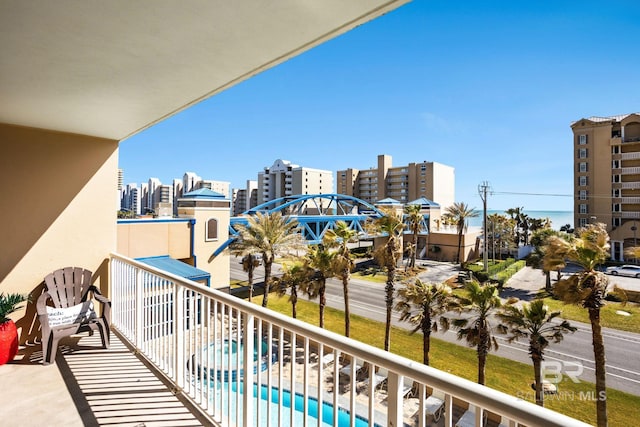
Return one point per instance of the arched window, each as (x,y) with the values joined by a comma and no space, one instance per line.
(212,230)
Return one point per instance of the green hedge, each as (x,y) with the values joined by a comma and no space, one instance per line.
(499,272)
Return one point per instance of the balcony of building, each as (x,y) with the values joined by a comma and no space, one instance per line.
(181,352)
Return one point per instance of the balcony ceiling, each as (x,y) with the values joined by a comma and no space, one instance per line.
(113,68)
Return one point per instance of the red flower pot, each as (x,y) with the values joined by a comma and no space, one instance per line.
(8,342)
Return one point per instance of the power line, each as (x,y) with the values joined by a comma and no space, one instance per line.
(533,194)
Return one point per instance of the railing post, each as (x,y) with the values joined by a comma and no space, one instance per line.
(178,333)
(394,399)
(138,307)
(247,380)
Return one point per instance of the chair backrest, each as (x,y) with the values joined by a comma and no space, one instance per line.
(68,286)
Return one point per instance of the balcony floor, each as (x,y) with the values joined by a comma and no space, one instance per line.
(88,386)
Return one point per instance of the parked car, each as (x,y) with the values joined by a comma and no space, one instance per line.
(624,270)
(257,257)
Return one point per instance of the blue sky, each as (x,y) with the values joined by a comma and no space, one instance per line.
(489,88)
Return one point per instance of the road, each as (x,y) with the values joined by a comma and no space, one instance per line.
(574,352)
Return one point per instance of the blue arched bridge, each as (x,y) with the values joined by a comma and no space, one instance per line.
(315,214)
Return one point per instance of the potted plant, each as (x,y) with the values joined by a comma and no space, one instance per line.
(8,331)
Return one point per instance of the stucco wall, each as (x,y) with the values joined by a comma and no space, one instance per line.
(144,238)
(59,205)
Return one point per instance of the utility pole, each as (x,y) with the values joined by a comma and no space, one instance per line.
(483,190)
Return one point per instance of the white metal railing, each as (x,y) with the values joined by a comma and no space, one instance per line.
(214,347)
(630,171)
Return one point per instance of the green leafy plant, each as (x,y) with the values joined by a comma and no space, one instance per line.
(9,304)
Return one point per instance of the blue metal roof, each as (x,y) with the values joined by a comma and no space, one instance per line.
(203,193)
(424,202)
(388,201)
(176,267)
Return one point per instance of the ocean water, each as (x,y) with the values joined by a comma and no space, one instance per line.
(558,218)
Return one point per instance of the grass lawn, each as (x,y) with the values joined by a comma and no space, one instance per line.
(502,374)
(608,316)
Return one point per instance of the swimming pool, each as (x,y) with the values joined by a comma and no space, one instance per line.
(265,401)
(224,355)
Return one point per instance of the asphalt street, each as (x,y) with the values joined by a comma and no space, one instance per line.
(573,355)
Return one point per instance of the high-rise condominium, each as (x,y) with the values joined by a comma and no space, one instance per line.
(606,157)
(285,179)
(431,180)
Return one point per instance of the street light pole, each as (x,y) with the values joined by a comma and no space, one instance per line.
(483,189)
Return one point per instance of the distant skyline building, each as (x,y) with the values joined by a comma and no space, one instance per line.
(162,199)
(284,179)
(434,181)
(606,158)
(245,198)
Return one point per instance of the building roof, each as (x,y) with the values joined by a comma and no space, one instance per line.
(597,119)
(203,193)
(173,266)
(388,201)
(111,69)
(424,202)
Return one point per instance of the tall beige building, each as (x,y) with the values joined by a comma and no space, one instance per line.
(286,179)
(606,161)
(431,180)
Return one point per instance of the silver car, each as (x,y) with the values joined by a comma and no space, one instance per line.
(624,270)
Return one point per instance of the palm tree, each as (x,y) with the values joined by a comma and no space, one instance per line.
(539,242)
(516,216)
(414,219)
(534,321)
(586,288)
(420,303)
(339,237)
(269,234)
(460,212)
(318,263)
(293,278)
(482,301)
(249,264)
(388,256)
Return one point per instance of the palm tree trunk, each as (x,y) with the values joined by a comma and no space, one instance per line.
(294,302)
(250,279)
(414,254)
(598,354)
(389,300)
(547,282)
(483,344)
(458,258)
(323,302)
(347,314)
(426,336)
(267,277)
(537,373)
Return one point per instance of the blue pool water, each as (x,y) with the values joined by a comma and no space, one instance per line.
(231,376)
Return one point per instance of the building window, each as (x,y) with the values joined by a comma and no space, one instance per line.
(582,153)
(583,222)
(582,181)
(582,166)
(583,194)
(616,207)
(583,208)
(211,232)
(617,222)
(615,149)
(615,164)
(615,192)
(582,139)
(615,178)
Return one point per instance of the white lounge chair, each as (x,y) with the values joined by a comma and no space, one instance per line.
(346,369)
(468,419)
(328,359)
(378,378)
(434,405)
(407,386)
